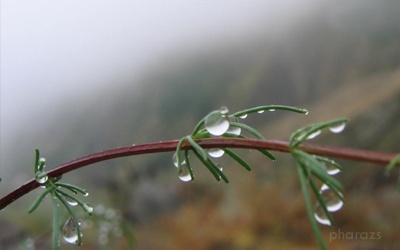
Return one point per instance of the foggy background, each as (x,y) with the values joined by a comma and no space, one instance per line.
(78,77)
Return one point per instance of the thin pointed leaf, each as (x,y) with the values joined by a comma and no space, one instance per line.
(309,208)
(39,200)
(188,164)
(302,134)
(197,148)
(56,225)
(329,161)
(37,156)
(248,129)
(72,188)
(80,203)
(269,107)
(268,154)
(220,173)
(318,170)
(210,168)
(178,151)
(393,163)
(237,158)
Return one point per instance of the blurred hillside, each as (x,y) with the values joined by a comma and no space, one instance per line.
(337,62)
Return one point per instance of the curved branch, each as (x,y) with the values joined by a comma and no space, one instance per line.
(165,146)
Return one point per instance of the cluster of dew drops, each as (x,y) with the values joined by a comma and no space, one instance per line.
(332,201)
(216,124)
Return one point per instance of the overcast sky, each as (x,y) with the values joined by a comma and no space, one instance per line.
(53,50)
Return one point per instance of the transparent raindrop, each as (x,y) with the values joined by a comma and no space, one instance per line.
(307,112)
(338,128)
(321,217)
(313,135)
(86,194)
(224,110)
(243,116)
(181,158)
(261,111)
(71,202)
(42,160)
(184,174)
(234,130)
(88,208)
(41,179)
(70,231)
(217,124)
(330,168)
(332,201)
(271,110)
(216,152)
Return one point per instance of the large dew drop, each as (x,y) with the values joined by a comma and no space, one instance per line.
(313,135)
(217,124)
(321,217)
(338,128)
(71,202)
(224,110)
(216,152)
(70,231)
(184,174)
(332,169)
(332,201)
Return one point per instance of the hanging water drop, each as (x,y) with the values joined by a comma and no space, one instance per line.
(234,130)
(338,128)
(40,178)
(88,208)
(216,152)
(216,123)
(321,217)
(260,111)
(313,135)
(243,116)
(271,110)
(181,158)
(184,174)
(86,194)
(71,202)
(224,110)
(331,169)
(70,231)
(332,201)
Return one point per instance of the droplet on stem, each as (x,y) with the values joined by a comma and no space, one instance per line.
(181,158)
(71,202)
(224,110)
(271,110)
(338,128)
(216,152)
(41,178)
(184,174)
(216,123)
(332,201)
(320,216)
(70,231)
(260,111)
(243,116)
(234,130)
(313,135)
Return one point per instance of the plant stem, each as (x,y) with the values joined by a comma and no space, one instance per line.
(380,158)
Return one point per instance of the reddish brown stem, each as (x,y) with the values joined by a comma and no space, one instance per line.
(274,145)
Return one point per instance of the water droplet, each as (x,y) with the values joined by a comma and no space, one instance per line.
(181,158)
(216,152)
(313,135)
(88,208)
(332,201)
(261,111)
(307,112)
(234,130)
(133,145)
(332,169)
(271,110)
(70,231)
(337,128)
(224,110)
(41,178)
(42,160)
(243,116)
(72,203)
(321,217)
(86,194)
(216,124)
(184,174)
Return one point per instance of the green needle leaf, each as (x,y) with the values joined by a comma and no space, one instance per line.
(56,224)
(310,211)
(393,163)
(237,158)
(197,148)
(188,164)
(270,108)
(248,129)
(210,168)
(39,200)
(268,154)
(72,188)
